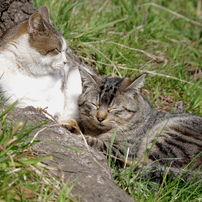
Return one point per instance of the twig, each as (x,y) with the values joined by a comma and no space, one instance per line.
(77,128)
(158,74)
(126,162)
(38,172)
(135,49)
(11,158)
(14,171)
(126,157)
(45,112)
(105,57)
(102,63)
(172,12)
(36,135)
(142,71)
(123,56)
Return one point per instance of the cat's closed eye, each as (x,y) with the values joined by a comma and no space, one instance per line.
(116,110)
(95,106)
(129,110)
(53,51)
(91,106)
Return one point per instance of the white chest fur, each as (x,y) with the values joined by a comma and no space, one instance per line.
(18,82)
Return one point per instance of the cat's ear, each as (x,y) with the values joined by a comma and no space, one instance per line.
(36,24)
(45,13)
(88,79)
(133,84)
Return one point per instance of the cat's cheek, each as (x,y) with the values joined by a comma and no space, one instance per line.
(46,65)
(58,63)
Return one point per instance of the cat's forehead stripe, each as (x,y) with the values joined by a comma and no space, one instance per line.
(108,89)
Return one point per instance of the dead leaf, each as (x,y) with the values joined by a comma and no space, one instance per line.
(193,68)
(28,193)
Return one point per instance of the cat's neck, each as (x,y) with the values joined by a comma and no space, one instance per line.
(146,116)
(144,110)
(151,115)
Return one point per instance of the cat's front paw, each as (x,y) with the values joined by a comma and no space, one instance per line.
(96,143)
(90,140)
(71,125)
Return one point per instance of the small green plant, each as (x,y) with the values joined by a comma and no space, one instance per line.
(144,189)
(22,176)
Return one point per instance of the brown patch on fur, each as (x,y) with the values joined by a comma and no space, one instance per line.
(22,30)
(46,43)
(42,36)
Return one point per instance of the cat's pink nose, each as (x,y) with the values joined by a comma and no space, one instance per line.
(65,63)
(100,119)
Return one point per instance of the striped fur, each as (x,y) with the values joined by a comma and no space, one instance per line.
(152,137)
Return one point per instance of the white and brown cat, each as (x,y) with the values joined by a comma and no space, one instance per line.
(34,69)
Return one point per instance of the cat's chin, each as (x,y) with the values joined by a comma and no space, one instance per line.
(103,126)
(95,125)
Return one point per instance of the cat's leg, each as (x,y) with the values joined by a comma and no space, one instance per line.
(104,144)
(112,151)
(96,143)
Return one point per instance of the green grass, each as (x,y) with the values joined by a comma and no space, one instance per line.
(22,177)
(126,38)
(118,38)
(146,190)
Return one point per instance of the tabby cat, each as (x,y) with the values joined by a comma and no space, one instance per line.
(34,68)
(115,105)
